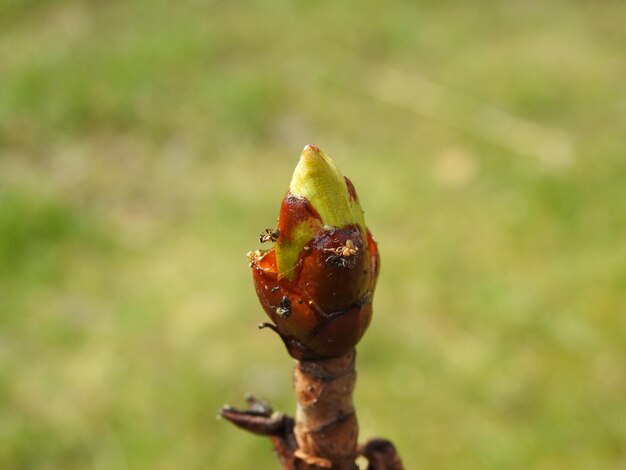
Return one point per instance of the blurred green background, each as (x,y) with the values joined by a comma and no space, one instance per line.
(145,145)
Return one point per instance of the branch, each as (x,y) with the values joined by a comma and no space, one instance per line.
(324,433)
(259,419)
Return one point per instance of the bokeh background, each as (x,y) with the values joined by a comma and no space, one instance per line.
(145,144)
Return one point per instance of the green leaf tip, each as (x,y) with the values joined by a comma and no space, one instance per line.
(317,179)
(332,198)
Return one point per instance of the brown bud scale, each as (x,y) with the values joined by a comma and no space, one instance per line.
(330,313)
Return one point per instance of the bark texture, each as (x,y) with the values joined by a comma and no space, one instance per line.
(326,427)
(325,431)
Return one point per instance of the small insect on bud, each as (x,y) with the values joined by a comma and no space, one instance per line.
(269,235)
(322,270)
(285,307)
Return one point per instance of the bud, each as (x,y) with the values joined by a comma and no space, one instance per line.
(317,282)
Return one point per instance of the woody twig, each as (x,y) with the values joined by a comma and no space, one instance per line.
(316,284)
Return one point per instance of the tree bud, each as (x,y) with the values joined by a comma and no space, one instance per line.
(316,284)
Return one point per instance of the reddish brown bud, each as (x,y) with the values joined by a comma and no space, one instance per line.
(317,283)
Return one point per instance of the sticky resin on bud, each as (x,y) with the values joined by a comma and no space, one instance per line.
(324,263)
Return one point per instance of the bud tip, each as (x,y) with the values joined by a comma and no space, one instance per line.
(311,150)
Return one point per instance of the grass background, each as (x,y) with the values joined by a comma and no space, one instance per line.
(144,145)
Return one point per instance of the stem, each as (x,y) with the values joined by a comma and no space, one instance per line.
(326,427)
(324,433)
